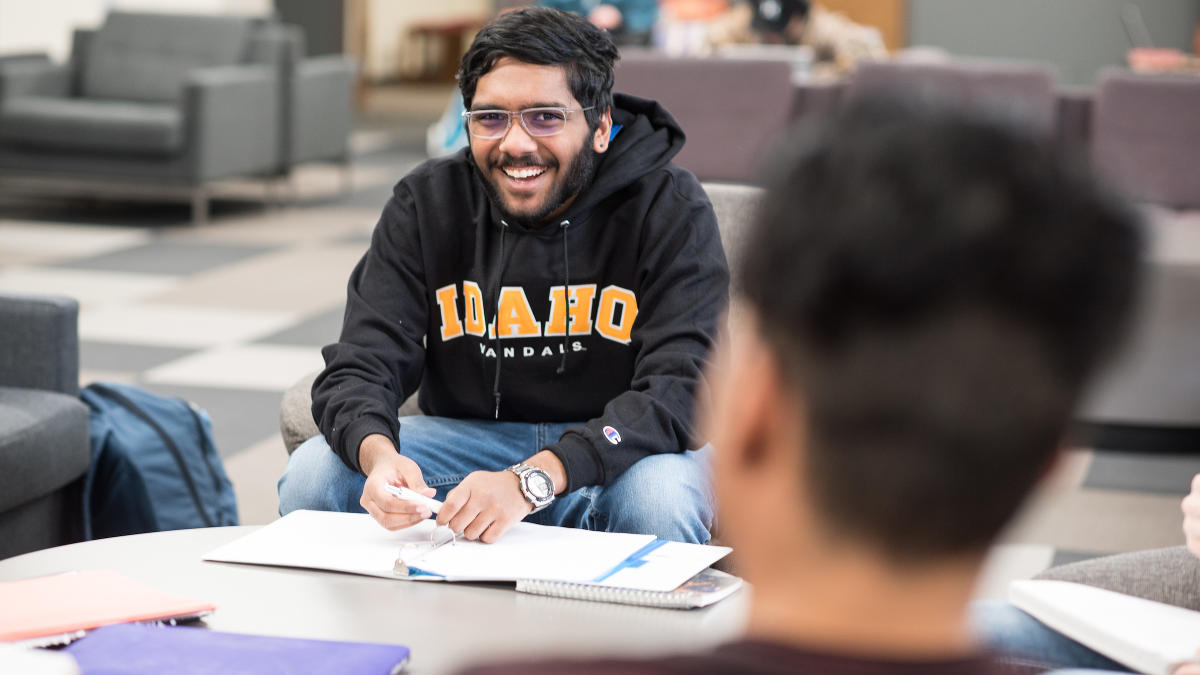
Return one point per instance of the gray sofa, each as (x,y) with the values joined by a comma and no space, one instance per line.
(732,110)
(735,206)
(163,105)
(1019,92)
(44,450)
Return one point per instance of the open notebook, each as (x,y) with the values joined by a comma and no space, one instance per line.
(1149,637)
(355,543)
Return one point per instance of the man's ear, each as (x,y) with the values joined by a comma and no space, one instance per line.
(759,403)
(603,131)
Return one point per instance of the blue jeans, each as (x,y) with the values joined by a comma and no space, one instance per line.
(665,495)
(1019,637)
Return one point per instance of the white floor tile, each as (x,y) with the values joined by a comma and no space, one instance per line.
(74,240)
(91,288)
(264,367)
(174,326)
(254,473)
(1008,562)
(87,377)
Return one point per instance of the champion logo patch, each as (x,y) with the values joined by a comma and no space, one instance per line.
(612,435)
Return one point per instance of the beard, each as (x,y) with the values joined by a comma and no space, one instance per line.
(577,176)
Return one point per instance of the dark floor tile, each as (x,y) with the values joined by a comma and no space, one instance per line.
(1142,472)
(362,239)
(83,210)
(116,356)
(316,331)
(241,417)
(374,197)
(1064,557)
(167,257)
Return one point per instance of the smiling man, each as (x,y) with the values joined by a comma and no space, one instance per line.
(553,290)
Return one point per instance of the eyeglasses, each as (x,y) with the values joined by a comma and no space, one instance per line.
(493,124)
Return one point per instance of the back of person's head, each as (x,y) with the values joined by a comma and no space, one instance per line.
(546,37)
(773,16)
(937,290)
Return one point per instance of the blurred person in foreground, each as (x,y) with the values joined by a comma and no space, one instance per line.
(923,300)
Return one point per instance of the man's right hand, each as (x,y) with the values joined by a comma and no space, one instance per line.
(384,466)
(1191,516)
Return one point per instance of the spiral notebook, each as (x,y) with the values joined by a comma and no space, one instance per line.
(702,590)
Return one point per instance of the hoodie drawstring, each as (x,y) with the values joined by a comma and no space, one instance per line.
(562,366)
(496,322)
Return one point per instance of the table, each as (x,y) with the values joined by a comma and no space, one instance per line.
(442,44)
(446,625)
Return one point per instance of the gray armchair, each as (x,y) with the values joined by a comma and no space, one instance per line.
(149,104)
(44,451)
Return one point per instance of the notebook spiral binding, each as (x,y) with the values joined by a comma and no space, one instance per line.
(704,589)
(624,596)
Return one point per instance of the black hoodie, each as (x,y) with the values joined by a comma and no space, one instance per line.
(640,252)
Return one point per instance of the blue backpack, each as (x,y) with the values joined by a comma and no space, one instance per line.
(154,465)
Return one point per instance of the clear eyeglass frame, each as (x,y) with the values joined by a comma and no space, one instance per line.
(473,119)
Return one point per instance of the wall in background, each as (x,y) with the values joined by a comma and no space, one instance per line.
(1079,37)
(46,26)
(388,52)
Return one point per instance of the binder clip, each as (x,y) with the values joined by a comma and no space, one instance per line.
(412,552)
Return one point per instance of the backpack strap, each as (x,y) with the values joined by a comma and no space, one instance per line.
(141,414)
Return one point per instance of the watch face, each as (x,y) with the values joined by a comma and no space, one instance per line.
(540,485)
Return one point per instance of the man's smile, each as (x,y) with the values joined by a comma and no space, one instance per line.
(524,173)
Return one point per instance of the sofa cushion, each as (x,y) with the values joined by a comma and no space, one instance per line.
(43,443)
(146,57)
(1144,136)
(88,125)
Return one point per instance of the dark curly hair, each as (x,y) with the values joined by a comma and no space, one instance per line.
(939,289)
(546,37)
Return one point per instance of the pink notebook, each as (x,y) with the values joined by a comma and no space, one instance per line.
(56,609)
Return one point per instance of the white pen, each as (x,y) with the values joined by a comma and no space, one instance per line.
(414,496)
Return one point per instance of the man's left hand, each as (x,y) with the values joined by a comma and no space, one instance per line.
(484,505)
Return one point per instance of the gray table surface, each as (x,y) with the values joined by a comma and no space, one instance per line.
(447,626)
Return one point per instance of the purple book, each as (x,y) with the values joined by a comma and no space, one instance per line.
(129,649)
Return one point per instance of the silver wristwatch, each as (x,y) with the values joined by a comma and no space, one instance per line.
(535,485)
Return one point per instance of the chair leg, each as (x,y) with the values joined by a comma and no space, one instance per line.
(199,206)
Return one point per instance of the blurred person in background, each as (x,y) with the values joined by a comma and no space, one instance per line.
(629,22)
(837,42)
(683,27)
(924,299)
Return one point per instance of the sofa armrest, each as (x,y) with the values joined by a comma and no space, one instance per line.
(33,77)
(231,114)
(296,423)
(39,345)
(322,109)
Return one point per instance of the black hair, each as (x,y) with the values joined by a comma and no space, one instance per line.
(938,289)
(546,37)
